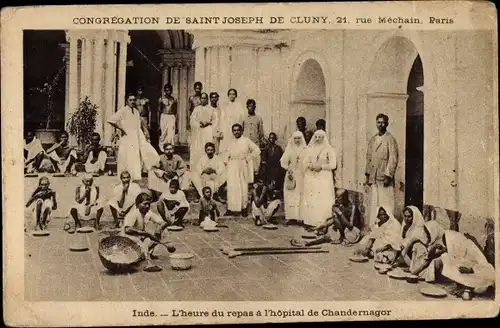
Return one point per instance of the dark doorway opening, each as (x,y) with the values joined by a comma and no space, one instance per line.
(414,168)
(143,69)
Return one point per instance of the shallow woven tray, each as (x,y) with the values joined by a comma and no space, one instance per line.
(119,254)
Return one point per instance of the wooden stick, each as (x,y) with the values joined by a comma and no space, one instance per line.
(235,253)
(226,250)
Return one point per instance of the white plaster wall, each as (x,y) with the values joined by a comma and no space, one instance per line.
(459,110)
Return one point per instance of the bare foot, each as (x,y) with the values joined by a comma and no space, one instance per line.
(296,243)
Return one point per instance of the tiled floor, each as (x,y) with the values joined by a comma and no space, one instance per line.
(54,273)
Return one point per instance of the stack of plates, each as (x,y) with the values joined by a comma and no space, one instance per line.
(358,258)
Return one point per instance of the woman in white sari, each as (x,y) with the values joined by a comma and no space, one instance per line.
(412,230)
(292,162)
(415,247)
(384,241)
(319,188)
(459,259)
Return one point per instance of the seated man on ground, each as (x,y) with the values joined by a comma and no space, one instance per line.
(63,155)
(123,198)
(134,226)
(208,208)
(44,200)
(34,153)
(384,241)
(96,156)
(345,224)
(209,172)
(264,203)
(173,205)
(88,204)
(452,255)
(170,167)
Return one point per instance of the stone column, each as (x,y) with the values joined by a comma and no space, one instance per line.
(86,84)
(124,40)
(72,75)
(183,103)
(98,80)
(109,85)
(200,64)
(181,64)
(65,46)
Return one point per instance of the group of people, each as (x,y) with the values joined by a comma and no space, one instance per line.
(231,155)
(429,251)
(62,157)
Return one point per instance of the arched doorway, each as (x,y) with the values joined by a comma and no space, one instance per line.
(309,98)
(394,89)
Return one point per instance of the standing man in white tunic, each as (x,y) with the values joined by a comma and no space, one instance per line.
(232,113)
(381,165)
(134,150)
(239,159)
(202,120)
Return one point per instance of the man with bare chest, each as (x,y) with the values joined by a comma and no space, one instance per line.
(195,100)
(167,111)
(143,105)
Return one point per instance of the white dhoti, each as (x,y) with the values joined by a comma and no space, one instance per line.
(380,195)
(263,212)
(167,126)
(133,152)
(80,208)
(214,181)
(158,183)
(239,175)
(46,205)
(99,165)
(200,136)
(63,163)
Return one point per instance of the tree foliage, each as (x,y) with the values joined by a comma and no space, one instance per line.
(82,122)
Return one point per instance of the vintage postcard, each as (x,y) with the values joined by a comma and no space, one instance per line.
(249,163)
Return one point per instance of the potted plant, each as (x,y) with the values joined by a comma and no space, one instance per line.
(46,132)
(82,123)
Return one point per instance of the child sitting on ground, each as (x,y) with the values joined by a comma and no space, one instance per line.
(45,201)
(264,203)
(88,204)
(173,205)
(208,207)
(134,226)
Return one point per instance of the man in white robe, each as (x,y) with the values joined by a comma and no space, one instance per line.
(209,172)
(239,159)
(232,113)
(202,119)
(134,150)
(381,165)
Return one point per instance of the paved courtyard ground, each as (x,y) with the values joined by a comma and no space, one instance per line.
(54,273)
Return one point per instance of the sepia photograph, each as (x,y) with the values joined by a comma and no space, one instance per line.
(201,140)
(259,164)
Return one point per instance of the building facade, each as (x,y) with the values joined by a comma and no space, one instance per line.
(439,97)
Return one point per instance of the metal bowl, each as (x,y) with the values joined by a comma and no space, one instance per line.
(181,261)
